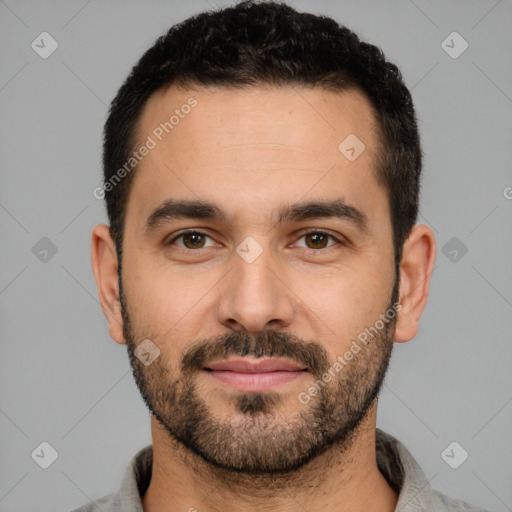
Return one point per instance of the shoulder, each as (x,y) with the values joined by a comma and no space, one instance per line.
(134,483)
(447,503)
(452,504)
(404,474)
(104,504)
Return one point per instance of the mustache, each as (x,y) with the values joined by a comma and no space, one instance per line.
(268,343)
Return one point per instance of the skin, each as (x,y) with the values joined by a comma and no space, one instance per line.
(251,152)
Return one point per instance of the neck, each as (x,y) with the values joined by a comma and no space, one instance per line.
(344,480)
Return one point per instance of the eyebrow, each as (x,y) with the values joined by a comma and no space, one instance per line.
(174,209)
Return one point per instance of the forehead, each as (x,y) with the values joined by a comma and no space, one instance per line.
(312,118)
(253,146)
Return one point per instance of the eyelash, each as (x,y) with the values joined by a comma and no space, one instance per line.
(304,233)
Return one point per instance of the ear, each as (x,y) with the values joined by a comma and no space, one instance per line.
(416,266)
(104,265)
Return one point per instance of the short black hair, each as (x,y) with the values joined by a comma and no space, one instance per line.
(270,43)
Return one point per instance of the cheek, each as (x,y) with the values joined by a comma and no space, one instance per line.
(347,304)
(163,302)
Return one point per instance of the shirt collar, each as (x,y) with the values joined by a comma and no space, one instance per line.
(404,474)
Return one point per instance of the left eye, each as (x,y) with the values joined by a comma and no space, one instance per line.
(317,239)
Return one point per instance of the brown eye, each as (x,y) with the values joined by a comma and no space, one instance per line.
(316,240)
(191,240)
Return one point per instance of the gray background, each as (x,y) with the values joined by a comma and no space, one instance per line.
(64,381)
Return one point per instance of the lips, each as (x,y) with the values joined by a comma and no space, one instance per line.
(254,374)
(250,365)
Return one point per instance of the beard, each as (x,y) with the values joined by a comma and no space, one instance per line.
(257,439)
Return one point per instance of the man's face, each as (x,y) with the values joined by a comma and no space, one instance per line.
(252,307)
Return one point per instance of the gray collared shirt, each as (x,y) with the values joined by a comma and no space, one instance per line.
(395,462)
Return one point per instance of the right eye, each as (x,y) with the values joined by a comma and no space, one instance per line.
(191,239)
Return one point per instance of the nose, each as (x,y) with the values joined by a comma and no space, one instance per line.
(254,296)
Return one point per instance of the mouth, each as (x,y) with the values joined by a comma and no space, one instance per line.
(255,374)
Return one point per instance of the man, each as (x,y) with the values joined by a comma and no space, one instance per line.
(262,173)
